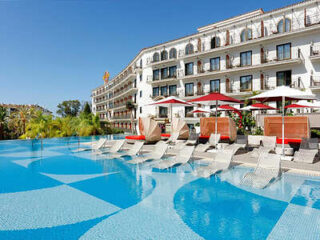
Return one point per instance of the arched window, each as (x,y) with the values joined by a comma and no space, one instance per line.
(155,57)
(173,53)
(215,42)
(164,55)
(284,25)
(189,49)
(246,34)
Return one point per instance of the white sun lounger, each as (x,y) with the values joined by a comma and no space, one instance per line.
(222,162)
(269,144)
(100,144)
(268,169)
(158,152)
(193,139)
(133,151)
(306,155)
(202,147)
(214,139)
(181,158)
(116,147)
(240,143)
(254,140)
(173,138)
(308,151)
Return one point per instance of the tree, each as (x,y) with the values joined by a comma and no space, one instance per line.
(87,109)
(40,126)
(89,125)
(69,108)
(18,121)
(3,121)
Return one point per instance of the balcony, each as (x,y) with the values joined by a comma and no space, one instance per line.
(152,81)
(297,28)
(315,82)
(137,68)
(161,63)
(130,89)
(122,117)
(234,67)
(315,53)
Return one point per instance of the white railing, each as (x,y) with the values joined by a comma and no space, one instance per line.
(314,50)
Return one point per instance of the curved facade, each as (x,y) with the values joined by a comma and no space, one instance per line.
(255,51)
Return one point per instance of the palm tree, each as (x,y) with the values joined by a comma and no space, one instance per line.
(89,125)
(131,107)
(39,126)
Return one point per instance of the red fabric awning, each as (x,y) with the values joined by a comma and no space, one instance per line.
(296,106)
(227,108)
(213,97)
(262,106)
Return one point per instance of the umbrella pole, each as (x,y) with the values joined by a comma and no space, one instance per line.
(216,125)
(171,113)
(283,103)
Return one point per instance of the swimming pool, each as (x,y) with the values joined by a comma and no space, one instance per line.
(53,193)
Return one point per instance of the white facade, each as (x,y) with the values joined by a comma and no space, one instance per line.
(282,47)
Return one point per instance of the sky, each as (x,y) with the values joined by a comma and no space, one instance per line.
(56,50)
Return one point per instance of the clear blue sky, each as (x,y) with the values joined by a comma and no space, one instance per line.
(52,51)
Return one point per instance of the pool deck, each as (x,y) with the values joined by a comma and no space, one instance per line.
(245,159)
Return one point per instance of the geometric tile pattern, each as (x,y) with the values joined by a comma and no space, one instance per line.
(308,194)
(297,222)
(54,193)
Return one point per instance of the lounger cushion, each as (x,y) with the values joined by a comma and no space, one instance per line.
(221,137)
(289,140)
(305,155)
(136,137)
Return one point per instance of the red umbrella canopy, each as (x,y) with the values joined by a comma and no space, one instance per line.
(296,106)
(262,106)
(227,108)
(258,106)
(200,111)
(171,101)
(214,98)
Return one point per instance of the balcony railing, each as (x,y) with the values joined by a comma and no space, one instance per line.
(315,50)
(150,60)
(297,24)
(127,116)
(151,78)
(314,81)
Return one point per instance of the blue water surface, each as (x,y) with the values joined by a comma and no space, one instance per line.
(138,201)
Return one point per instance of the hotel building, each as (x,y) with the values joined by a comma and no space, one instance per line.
(255,51)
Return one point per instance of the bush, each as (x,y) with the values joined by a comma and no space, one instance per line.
(258,131)
(315,133)
(116,131)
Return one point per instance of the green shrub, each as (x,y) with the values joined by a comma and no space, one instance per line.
(258,131)
(315,133)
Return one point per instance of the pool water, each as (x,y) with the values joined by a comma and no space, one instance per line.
(48,191)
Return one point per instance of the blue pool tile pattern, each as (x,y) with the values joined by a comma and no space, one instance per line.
(308,194)
(53,192)
(218,210)
(15,178)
